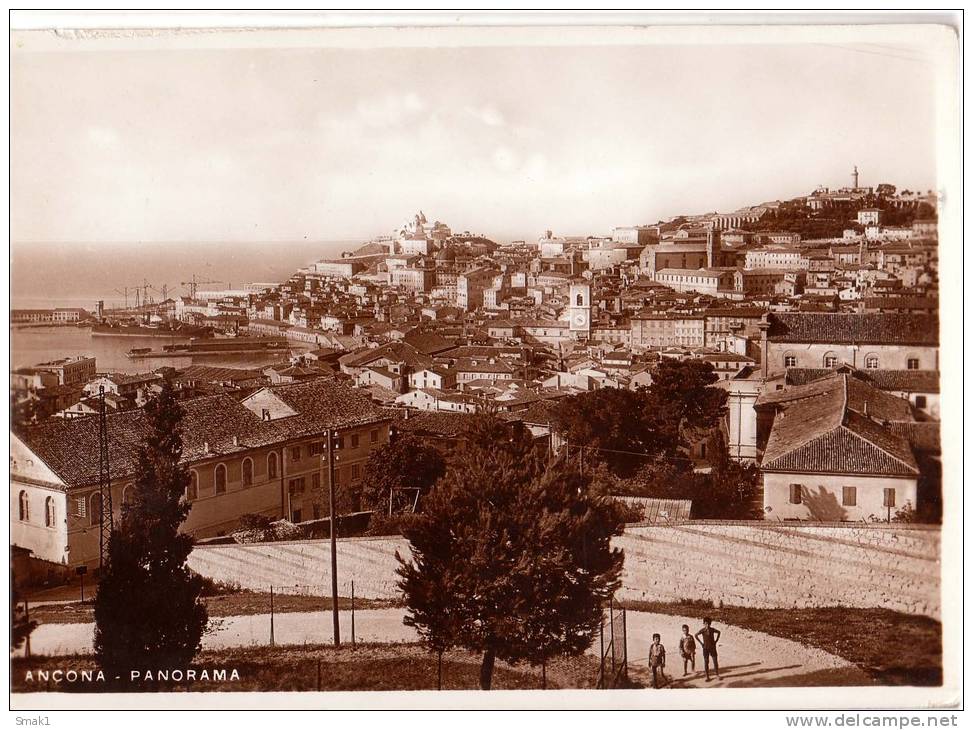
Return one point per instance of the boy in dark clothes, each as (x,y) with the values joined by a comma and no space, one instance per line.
(657,660)
(708,637)
(687,648)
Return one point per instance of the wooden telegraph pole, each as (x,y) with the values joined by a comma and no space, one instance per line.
(333,524)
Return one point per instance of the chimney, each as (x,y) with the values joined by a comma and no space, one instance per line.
(236,440)
(206,447)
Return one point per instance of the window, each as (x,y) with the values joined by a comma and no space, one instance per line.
(127,495)
(316,480)
(849,496)
(315,448)
(920,401)
(912,363)
(80,507)
(354,441)
(830,360)
(24,506)
(247,472)
(580,300)
(871,362)
(296,486)
(296,453)
(373,436)
(790,361)
(796,493)
(219,478)
(49,512)
(889,500)
(355,471)
(272,465)
(192,491)
(94,515)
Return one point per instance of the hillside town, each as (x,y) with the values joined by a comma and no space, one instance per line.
(818,315)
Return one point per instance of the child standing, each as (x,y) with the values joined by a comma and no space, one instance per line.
(657,660)
(687,647)
(708,637)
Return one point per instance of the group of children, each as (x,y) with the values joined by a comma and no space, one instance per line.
(708,638)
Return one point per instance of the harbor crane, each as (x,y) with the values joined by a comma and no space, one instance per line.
(124,291)
(194,283)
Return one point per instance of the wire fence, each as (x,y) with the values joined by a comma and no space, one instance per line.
(613,667)
(281,600)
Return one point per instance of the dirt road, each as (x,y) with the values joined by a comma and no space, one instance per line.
(747,658)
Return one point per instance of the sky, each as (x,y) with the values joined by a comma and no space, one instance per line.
(325,143)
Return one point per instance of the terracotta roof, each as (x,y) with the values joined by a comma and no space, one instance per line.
(906,381)
(395,351)
(70,446)
(438,423)
(831,328)
(428,343)
(820,433)
(923,436)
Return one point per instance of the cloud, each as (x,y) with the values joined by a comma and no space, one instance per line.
(103,137)
(390,110)
(488,115)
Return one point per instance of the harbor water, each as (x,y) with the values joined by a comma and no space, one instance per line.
(32,345)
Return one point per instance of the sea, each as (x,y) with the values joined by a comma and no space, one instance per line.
(79,274)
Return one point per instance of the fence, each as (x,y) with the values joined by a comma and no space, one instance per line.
(286,594)
(613,667)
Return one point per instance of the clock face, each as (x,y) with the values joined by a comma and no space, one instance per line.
(580,319)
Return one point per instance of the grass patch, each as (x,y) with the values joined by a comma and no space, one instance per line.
(379,667)
(891,647)
(241,603)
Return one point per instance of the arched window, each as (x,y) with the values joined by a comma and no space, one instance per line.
(192,491)
(49,512)
(94,514)
(247,472)
(272,465)
(24,507)
(830,360)
(580,300)
(871,362)
(220,479)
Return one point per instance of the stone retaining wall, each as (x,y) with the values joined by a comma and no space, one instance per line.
(759,564)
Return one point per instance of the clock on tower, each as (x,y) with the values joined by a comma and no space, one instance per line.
(579,311)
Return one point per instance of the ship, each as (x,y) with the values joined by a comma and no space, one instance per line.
(175,330)
(214,348)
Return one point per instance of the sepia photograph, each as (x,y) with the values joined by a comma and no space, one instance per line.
(468,364)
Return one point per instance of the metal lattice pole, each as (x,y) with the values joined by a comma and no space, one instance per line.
(106,518)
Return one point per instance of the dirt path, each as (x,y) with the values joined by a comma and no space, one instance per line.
(748,658)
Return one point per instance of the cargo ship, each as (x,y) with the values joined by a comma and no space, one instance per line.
(174,330)
(214,348)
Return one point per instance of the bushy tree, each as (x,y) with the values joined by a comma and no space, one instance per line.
(607,423)
(394,472)
(680,400)
(148,612)
(511,556)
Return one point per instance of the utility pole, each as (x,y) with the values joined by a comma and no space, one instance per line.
(105,519)
(332,446)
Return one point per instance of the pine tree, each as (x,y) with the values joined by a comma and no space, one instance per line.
(148,612)
(511,557)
